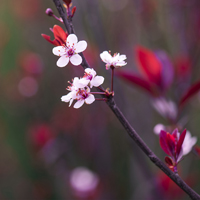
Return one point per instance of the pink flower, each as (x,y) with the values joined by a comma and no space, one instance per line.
(91,78)
(69,52)
(79,93)
(114,61)
(83,96)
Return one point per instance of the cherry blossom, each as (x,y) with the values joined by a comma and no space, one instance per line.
(114,61)
(78,92)
(73,91)
(83,96)
(91,78)
(69,52)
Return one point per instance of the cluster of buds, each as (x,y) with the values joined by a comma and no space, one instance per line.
(80,88)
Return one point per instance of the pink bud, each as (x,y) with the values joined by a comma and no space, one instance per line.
(49,12)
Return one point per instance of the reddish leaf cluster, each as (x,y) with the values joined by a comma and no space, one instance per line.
(172,146)
(156,69)
(60,36)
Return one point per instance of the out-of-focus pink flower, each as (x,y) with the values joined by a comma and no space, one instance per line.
(188,143)
(84,182)
(69,52)
(60,36)
(172,145)
(183,67)
(114,61)
(30,62)
(28,86)
(165,108)
(40,134)
(25,9)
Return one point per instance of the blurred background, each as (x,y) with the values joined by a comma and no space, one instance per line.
(51,151)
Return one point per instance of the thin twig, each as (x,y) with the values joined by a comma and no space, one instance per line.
(130,130)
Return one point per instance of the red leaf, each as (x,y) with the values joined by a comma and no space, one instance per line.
(73,10)
(60,34)
(180,142)
(149,64)
(47,37)
(170,140)
(163,142)
(142,83)
(190,93)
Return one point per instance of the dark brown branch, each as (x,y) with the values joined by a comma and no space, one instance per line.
(132,133)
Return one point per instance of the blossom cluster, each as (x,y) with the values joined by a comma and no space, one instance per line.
(80,88)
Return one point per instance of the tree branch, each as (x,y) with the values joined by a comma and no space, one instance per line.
(130,130)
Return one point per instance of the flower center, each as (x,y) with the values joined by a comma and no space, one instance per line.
(70,52)
(83,93)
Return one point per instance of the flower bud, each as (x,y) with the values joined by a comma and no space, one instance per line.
(49,12)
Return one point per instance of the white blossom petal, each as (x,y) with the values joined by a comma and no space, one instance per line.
(59,50)
(122,57)
(96,81)
(90,71)
(84,82)
(90,99)
(106,57)
(76,59)
(66,98)
(79,103)
(71,40)
(62,61)
(188,143)
(80,46)
(70,103)
(120,63)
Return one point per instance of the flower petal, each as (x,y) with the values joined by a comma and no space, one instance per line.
(67,97)
(122,57)
(97,81)
(106,57)
(80,46)
(83,82)
(71,40)
(76,59)
(120,63)
(90,99)
(70,103)
(79,103)
(62,61)
(90,71)
(59,50)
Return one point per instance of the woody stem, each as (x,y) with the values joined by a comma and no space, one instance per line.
(112,68)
